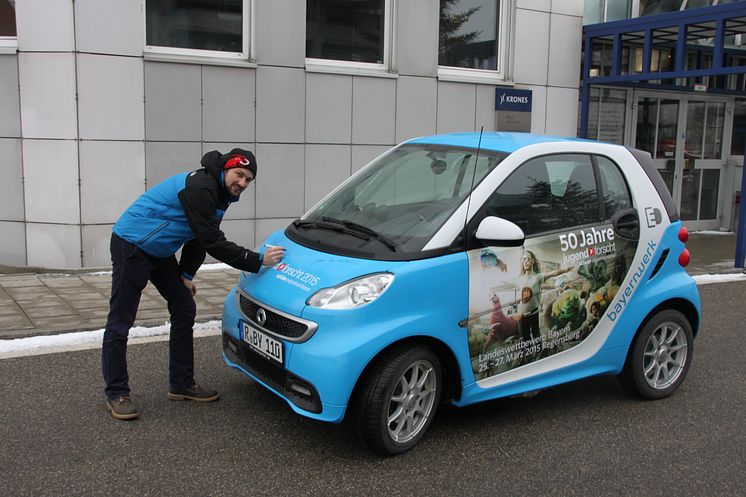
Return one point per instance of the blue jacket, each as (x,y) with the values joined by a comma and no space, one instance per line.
(186,210)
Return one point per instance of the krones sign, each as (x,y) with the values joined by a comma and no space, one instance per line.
(509,99)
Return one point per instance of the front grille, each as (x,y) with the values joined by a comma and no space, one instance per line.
(276,376)
(275,323)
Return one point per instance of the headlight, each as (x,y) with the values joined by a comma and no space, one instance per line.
(354,293)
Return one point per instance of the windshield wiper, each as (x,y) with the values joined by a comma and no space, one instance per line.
(329,226)
(361,229)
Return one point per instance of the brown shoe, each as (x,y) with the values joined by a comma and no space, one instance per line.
(195,392)
(122,408)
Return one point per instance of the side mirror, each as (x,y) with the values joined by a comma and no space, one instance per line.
(499,232)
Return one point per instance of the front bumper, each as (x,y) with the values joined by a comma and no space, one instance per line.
(304,391)
(293,388)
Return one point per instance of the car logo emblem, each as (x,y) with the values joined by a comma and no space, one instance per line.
(261,316)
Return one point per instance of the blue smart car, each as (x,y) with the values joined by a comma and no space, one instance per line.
(464,267)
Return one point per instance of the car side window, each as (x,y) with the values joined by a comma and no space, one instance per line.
(615,191)
(548,193)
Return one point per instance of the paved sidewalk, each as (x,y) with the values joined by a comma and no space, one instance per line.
(44,304)
(36,303)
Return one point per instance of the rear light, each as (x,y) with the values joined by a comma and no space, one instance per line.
(683,235)
(684,257)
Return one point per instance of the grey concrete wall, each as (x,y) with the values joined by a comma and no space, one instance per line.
(112,122)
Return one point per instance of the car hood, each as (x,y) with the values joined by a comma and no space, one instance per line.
(286,286)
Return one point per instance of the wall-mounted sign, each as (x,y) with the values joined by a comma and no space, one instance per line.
(512,109)
(512,99)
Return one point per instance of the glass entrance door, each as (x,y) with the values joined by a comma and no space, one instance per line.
(685,137)
(656,132)
(702,160)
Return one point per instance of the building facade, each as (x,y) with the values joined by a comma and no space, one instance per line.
(669,77)
(102,99)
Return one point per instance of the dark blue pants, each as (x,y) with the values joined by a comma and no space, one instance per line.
(132,269)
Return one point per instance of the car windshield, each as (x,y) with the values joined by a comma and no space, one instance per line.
(396,204)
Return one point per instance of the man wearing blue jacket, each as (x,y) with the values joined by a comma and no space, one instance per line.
(185,212)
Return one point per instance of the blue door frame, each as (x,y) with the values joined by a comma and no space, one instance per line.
(677,32)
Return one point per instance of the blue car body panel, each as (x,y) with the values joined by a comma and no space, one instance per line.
(430,298)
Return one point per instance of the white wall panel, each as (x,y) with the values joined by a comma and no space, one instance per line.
(538,108)
(265,227)
(281,105)
(112,176)
(45,26)
(51,181)
(279,186)
(96,240)
(363,154)
(416,107)
(326,167)
(328,108)
(109,26)
(562,111)
(456,107)
(564,50)
(485,108)
(542,5)
(164,159)
(373,111)
(281,32)
(531,47)
(417,38)
(11,187)
(13,248)
(568,7)
(53,245)
(47,83)
(10,107)
(110,97)
(173,95)
(239,231)
(228,108)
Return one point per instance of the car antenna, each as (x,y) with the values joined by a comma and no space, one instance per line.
(473,176)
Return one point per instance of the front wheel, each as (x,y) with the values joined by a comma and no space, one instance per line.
(399,399)
(660,356)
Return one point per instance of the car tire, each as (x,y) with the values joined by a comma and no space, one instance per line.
(659,357)
(398,399)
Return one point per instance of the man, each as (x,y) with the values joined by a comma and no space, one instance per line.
(182,211)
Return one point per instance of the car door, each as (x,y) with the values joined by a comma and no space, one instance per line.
(531,302)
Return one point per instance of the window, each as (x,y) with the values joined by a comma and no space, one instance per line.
(606,115)
(558,192)
(198,27)
(8,24)
(355,33)
(606,10)
(473,38)
(615,191)
(704,130)
(407,194)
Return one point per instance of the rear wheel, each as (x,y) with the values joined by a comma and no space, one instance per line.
(660,356)
(399,399)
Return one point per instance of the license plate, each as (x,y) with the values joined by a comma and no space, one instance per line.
(262,343)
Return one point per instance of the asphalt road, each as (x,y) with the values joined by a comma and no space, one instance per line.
(587,438)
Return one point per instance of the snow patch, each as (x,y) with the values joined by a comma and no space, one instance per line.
(83,340)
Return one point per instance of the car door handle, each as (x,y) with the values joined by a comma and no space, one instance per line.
(626,224)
